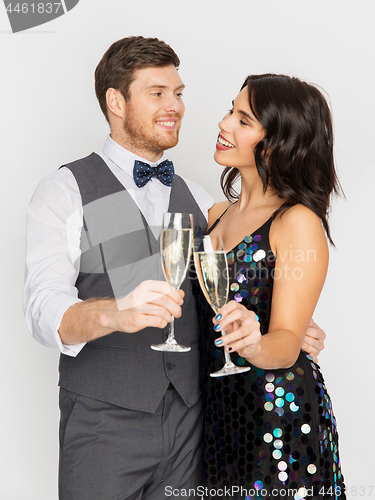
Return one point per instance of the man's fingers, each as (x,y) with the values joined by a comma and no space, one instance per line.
(315,341)
(311,341)
(169,304)
(162,288)
(313,351)
(315,331)
(160,292)
(141,321)
(141,317)
(156,292)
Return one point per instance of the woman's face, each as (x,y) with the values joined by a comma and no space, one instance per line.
(239,133)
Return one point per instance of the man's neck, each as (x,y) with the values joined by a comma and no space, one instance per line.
(142,153)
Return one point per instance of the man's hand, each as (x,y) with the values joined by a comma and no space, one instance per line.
(313,342)
(152,303)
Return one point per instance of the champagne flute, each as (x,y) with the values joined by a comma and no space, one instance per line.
(212,270)
(175,249)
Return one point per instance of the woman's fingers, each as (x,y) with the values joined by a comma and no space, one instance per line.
(241,326)
(227,320)
(247,342)
(243,336)
(231,313)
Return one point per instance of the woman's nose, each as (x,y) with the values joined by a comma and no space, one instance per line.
(224,123)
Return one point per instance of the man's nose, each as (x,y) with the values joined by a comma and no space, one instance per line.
(174,104)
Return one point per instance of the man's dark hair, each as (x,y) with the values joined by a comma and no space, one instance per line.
(118,65)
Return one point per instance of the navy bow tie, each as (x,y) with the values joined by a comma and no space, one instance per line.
(142,173)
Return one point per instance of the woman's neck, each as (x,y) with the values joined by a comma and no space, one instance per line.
(252,195)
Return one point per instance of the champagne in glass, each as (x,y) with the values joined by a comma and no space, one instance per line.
(175,249)
(212,270)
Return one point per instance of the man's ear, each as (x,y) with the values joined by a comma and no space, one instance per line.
(115,103)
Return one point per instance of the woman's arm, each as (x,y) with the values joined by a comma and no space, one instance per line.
(298,241)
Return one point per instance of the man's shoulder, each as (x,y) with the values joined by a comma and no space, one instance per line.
(64,174)
(58,176)
(201,196)
(57,190)
(86,161)
(196,188)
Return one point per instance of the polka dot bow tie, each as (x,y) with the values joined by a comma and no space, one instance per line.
(142,173)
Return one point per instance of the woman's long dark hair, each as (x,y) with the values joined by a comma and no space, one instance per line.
(295,158)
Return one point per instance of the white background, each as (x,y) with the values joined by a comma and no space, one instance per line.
(49,116)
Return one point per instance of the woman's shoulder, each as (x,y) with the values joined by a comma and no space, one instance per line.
(297,215)
(216,210)
(298,224)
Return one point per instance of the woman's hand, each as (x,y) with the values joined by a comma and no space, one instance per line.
(241,327)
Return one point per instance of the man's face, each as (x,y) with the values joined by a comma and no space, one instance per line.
(153,112)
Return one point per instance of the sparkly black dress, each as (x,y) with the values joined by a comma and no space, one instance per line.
(271,432)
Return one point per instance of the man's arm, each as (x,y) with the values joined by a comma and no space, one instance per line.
(150,304)
(53,231)
(54,314)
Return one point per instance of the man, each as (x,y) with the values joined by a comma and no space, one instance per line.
(130,416)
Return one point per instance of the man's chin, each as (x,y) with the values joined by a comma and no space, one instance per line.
(168,143)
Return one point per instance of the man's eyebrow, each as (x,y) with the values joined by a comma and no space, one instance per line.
(156,86)
(244,113)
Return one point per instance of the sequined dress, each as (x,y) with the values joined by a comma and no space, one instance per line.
(271,432)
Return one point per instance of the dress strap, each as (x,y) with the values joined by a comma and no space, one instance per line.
(217,220)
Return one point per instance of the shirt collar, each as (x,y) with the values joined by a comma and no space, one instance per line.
(123,158)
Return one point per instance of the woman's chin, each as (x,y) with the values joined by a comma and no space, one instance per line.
(219,158)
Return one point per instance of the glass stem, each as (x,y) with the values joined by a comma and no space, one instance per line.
(171,331)
(228,361)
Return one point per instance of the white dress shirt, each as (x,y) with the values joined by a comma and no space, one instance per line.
(54,223)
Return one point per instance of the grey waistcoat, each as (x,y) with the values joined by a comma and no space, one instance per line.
(119,251)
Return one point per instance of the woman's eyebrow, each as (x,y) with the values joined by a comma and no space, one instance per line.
(244,113)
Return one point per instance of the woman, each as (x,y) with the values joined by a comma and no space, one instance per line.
(271,431)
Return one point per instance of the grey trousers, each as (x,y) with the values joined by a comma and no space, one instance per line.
(110,453)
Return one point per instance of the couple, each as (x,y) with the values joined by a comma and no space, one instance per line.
(131,417)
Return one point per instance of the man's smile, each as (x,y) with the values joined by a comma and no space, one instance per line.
(169,124)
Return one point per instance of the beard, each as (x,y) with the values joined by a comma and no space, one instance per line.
(141,135)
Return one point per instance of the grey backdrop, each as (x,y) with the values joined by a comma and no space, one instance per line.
(49,115)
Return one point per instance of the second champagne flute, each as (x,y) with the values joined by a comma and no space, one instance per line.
(175,249)
(211,266)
